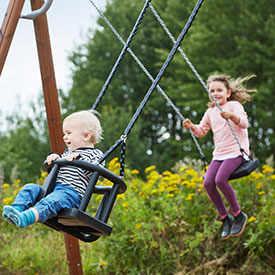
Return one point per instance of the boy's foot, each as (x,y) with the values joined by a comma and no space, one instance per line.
(15,217)
(227,225)
(239,224)
(5,216)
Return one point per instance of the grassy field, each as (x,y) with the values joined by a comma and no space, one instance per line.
(163,224)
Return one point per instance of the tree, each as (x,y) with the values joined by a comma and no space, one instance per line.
(24,146)
(232,37)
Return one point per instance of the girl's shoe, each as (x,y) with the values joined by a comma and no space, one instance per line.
(239,224)
(227,225)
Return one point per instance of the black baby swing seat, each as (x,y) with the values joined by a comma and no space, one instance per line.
(77,222)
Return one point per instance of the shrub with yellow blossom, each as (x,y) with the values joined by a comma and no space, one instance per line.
(168,217)
(165,222)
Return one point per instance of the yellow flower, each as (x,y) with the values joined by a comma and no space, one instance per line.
(102,263)
(261,193)
(125,204)
(7,200)
(252,219)
(256,175)
(183,168)
(114,165)
(170,195)
(166,173)
(153,191)
(185,182)
(190,197)
(44,174)
(134,172)
(259,185)
(98,197)
(138,226)
(267,169)
(5,185)
(148,169)
(191,185)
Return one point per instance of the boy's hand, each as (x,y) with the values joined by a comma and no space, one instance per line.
(52,157)
(72,156)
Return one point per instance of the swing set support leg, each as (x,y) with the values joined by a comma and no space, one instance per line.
(54,119)
(53,116)
(8,27)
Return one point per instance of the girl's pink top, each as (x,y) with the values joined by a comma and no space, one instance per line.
(224,141)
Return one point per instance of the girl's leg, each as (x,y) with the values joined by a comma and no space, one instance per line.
(227,167)
(211,188)
(63,196)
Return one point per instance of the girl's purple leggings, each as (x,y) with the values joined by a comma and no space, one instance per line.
(217,175)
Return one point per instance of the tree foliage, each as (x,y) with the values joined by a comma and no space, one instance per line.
(24,145)
(232,37)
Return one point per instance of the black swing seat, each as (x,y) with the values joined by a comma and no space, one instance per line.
(245,168)
(77,222)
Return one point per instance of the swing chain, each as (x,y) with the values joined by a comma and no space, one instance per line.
(122,158)
(120,57)
(194,71)
(177,110)
(164,66)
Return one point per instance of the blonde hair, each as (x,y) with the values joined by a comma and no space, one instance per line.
(238,91)
(89,122)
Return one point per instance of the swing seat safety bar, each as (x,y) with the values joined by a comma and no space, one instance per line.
(77,222)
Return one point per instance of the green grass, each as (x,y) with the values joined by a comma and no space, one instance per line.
(162,225)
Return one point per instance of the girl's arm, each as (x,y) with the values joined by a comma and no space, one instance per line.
(201,129)
(187,124)
(229,115)
(237,115)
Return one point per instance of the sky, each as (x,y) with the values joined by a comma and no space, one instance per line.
(20,81)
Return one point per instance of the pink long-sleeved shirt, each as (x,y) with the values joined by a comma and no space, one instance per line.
(224,141)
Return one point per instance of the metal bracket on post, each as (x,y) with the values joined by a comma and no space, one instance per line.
(38,12)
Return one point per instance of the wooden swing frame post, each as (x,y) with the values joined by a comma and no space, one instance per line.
(8,28)
(53,116)
(50,94)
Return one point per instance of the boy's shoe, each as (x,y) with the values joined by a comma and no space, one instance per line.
(5,215)
(15,217)
(239,224)
(227,225)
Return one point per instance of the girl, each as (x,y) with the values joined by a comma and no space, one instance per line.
(229,93)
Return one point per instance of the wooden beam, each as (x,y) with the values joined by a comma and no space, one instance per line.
(8,28)
(53,116)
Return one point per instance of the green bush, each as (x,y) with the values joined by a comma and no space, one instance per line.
(161,225)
